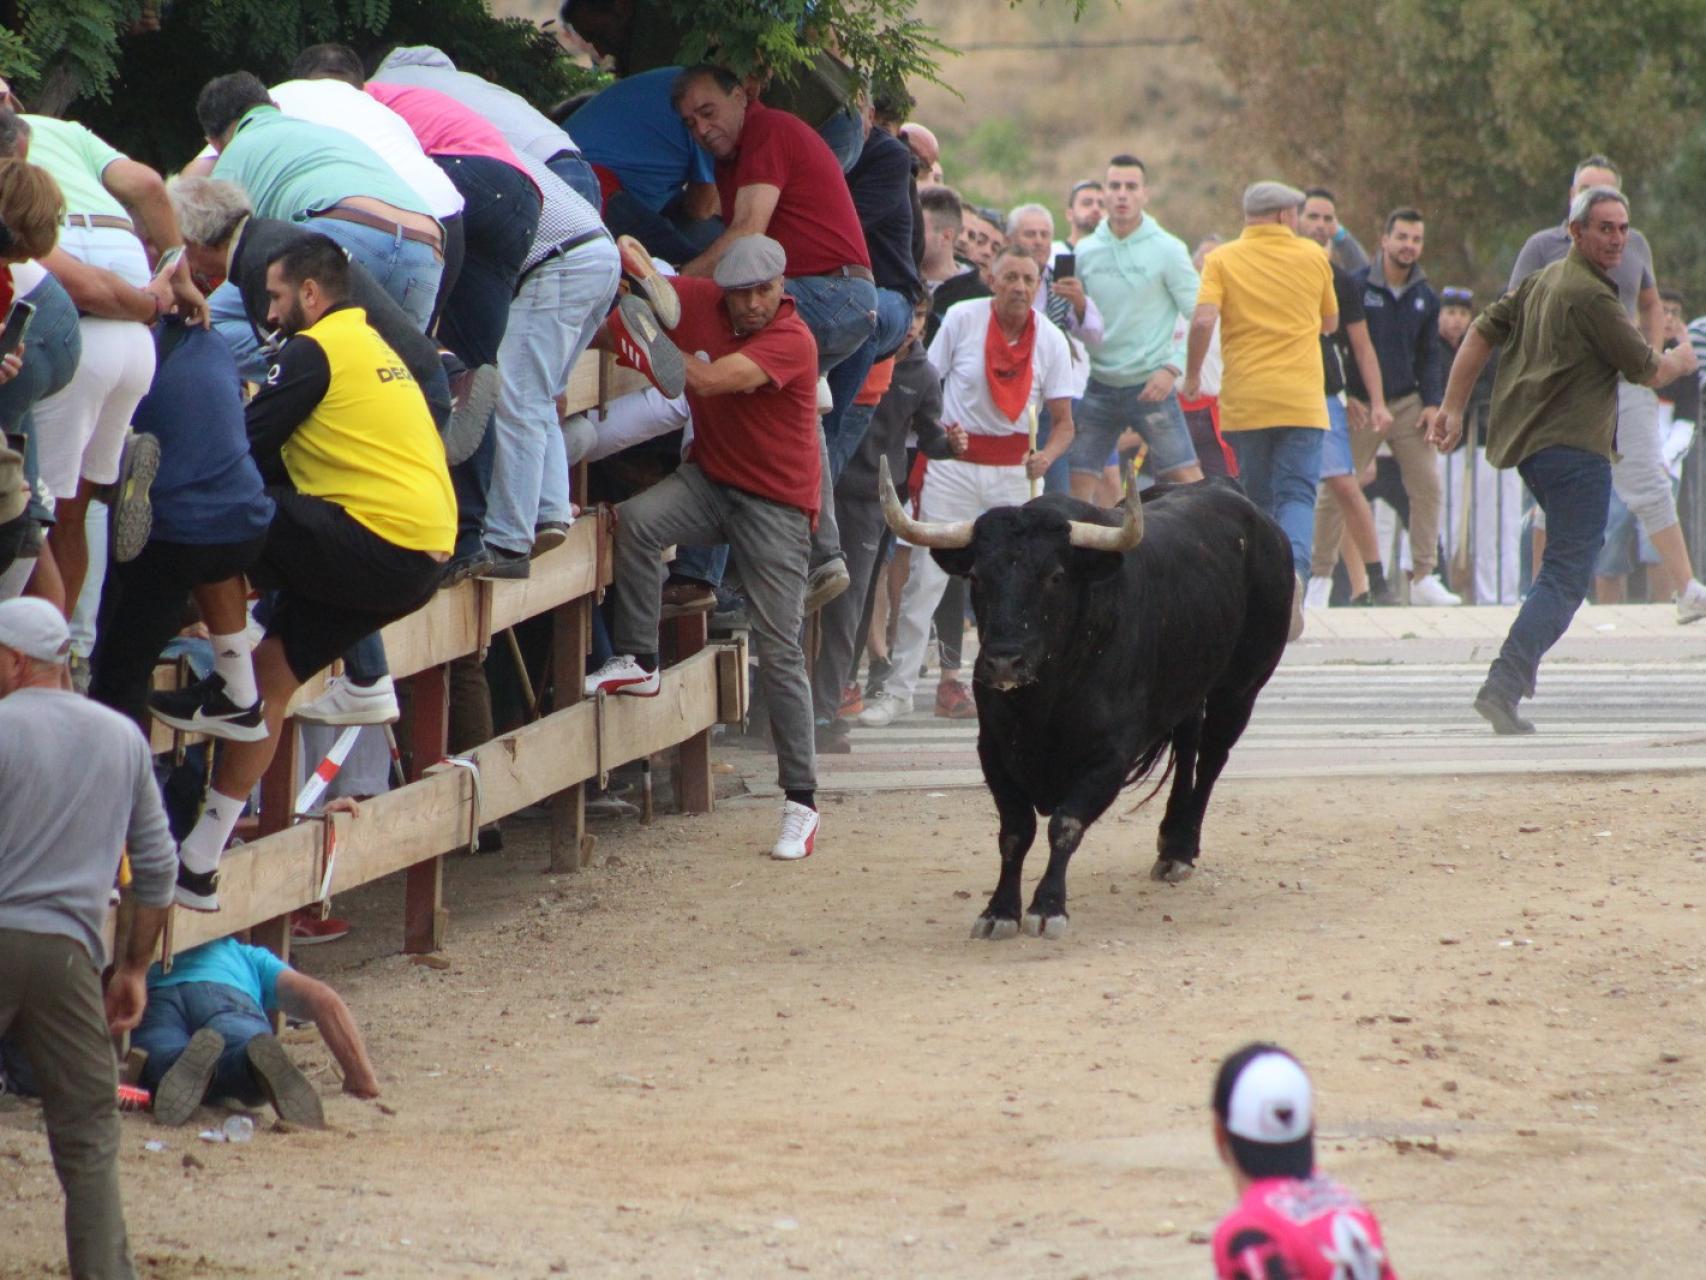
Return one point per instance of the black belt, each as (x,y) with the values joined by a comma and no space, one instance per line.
(850,272)
(567,246)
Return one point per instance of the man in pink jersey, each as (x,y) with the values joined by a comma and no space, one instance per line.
(1291,1222)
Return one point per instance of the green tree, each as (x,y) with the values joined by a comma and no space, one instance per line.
(1476,113)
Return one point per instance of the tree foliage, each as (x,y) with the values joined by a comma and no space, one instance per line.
(1475,112)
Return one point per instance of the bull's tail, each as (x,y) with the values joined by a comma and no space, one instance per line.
(1145,764)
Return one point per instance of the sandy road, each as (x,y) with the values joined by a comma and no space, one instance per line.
(691,1061)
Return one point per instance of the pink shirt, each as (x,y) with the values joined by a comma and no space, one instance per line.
(444,126)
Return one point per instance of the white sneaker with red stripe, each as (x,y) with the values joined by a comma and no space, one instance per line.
(640,343)
(799,832)
(623,675)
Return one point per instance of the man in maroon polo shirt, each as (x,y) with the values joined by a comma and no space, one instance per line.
(752,479)
(776,177)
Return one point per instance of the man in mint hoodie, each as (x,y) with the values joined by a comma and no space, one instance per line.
(1141,279)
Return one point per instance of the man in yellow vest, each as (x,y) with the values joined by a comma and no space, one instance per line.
(365,520)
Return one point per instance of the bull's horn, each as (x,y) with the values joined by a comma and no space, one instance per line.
(920,533)
(1099,537)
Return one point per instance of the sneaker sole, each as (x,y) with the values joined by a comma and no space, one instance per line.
(627,688)
(548,542)
(811,843)
(507,571)
(133,513)
(184,1085)
(826,591)
(211,728)
(669,368)
(344,719)
(660,293)
(467,426)
(291,1093)
(189,900)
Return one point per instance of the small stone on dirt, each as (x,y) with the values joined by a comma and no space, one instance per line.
(434,962)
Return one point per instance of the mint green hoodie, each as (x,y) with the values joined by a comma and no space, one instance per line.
(1142,285)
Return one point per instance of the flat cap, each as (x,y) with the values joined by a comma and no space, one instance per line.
(748,261)
(1270,197)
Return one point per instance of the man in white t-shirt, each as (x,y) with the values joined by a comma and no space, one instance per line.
(1000,364)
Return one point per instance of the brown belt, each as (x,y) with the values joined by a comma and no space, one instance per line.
(343,213)
(99,220)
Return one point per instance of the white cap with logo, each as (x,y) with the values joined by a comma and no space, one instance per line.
(1271,1101)
(34,628)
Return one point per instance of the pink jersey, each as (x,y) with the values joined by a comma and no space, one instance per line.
(1300,1229)
(442,125)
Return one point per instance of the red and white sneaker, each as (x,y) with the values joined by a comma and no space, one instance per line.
(637,266)
(640,344)
(799,833)
(623,675)
(307,929)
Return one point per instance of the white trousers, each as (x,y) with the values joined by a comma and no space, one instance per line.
(952,491)
(80,430)
(1490,529)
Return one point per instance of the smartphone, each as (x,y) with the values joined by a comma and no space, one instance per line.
(17,322)
(1065,266)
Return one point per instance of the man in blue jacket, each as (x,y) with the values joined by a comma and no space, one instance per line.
(1403,317)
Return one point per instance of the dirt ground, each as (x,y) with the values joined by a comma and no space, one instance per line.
(691,1061)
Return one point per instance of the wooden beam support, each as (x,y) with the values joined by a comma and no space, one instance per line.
(424,916)
(571,847)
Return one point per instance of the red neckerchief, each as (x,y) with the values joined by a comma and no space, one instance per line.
(1007,366)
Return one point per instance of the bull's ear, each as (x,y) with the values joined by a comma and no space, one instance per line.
(954,560)
(1094,566)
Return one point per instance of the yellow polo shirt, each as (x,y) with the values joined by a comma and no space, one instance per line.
(1274,288)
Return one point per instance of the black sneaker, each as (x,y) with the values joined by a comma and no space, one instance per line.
(507,564)
(466,566)
(198,890)
(184,1085)
(289,1091)
(203,708)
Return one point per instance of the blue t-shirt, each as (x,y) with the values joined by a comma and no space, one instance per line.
(252,970)
(208,491)
(631,129)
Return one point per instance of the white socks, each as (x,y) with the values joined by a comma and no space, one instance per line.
(231,660)
(201,848)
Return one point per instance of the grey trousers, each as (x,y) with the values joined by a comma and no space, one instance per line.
(771,543)
(838,635)
(50,992)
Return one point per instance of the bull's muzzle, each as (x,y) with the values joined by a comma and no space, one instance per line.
(929,533)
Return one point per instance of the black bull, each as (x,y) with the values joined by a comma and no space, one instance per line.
(1107,639)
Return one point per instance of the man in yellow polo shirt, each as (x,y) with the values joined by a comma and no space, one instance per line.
(1272,293)
(365,521)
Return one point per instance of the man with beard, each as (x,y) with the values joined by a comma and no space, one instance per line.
(1084,212)
(365,518)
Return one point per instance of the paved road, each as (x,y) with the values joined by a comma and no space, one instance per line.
(1340,719)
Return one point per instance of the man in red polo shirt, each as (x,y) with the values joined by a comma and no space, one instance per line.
(776,177)
(751,479)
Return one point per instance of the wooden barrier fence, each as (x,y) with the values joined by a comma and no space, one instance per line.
(443,804)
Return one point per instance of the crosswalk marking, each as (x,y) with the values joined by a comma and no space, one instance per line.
(1362,720)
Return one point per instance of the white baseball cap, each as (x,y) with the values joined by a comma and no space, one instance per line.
(1271,1101)
(35,629)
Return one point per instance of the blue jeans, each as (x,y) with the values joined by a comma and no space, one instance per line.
(1058,478)
(845,133)
(577,173)
(52,349)
(176,1013)
(562,303)
(839,310)
(500,213)
(1106,411)
(406,269)
(702,564)
(1336,457)
(1280,468)
(845,425)
(1573,488)
(626,216)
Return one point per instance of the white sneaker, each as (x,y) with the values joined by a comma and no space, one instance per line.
(346,703)
(1430,590)
(623,675)
(799,832)
(884,709)
(1320,590)
(1691,602)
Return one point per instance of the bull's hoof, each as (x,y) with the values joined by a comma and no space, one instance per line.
(995,928)
(1171,871)
(1045,926)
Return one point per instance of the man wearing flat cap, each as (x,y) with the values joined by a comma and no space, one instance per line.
(751,478)
(1272,293)
(76,788)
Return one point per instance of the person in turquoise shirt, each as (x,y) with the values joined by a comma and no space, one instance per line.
(1141,279)
(301,171)
(207,1035)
